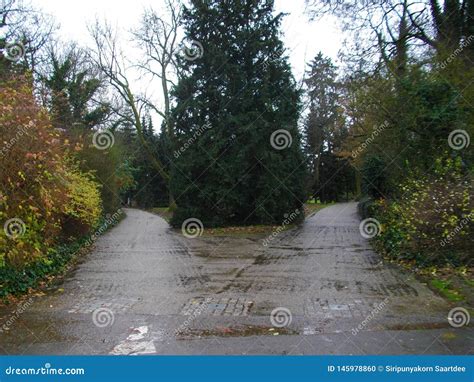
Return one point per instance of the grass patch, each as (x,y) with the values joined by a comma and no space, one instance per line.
(163,212)
(244,230)
(446,289)
(167,214)
(310,208)
(469,282)
(454,284)
(313,207)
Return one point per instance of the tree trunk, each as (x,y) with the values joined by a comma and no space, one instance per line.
(358,183)
(171,202)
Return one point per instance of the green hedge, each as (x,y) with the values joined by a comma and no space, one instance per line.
(15,281)
(366,207)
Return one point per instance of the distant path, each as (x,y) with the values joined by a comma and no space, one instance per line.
(145,289)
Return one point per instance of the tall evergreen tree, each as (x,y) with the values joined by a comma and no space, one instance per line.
(73,84)
(323,115)
(150,189)
(240,86)
(324,131)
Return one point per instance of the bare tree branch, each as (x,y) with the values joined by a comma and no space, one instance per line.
(111,62)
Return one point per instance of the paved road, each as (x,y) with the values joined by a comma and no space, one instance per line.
(146,289)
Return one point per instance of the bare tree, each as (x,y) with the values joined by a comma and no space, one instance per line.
(27,30)
(390,29)
(380,30)
(111,61)
(158,37)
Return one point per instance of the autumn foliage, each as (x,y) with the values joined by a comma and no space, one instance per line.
(41,187)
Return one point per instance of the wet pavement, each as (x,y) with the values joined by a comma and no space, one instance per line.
(315,289)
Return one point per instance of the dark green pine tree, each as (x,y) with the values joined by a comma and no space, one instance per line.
(239,85)
(150,190)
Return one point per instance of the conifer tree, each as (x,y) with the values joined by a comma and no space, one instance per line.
(236,113)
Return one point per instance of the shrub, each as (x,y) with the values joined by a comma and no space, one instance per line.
(374,178)
(366,207)
(14,280)
(83,209)
(110,168)
(431,223)
(41,187)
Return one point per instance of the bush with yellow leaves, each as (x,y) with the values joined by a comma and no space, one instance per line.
(42,191)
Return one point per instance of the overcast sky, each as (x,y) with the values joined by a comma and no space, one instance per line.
(302,38)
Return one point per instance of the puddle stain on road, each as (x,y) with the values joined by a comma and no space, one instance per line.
(234,331)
